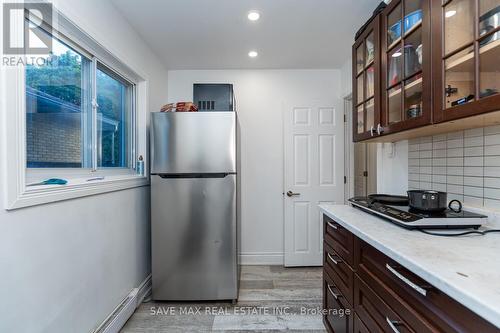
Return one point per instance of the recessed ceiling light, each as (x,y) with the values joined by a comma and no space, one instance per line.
(252,54)
(253,15)
(450,13)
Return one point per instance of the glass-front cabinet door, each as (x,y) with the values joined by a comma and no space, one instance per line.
(406,79)
(467,57)
(366,82)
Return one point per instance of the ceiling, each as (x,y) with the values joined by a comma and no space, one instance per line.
(216,34)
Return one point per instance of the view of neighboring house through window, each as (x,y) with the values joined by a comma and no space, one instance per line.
(64,128)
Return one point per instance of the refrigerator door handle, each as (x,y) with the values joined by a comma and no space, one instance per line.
(195,175)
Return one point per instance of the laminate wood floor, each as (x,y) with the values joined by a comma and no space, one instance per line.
(271,299)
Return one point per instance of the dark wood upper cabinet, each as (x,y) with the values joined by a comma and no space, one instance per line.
(366,81)
(406,84)
(466,53)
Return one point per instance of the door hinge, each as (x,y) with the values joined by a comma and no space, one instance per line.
(365,173)
(345,180)
(345,119)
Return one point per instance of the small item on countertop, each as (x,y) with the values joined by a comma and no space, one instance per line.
(140,166)
(186,107)
(95,178)
(167,107)
(51,181)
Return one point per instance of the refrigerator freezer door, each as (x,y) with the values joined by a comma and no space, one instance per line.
(193,226)
(193,142)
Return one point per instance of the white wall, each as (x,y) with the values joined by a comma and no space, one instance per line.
(65,266)
(260,95)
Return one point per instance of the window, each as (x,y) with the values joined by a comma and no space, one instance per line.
(78,112)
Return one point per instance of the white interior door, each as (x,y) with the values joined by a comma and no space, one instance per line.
(314,170)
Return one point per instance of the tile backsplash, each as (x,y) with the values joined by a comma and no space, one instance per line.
(465,164)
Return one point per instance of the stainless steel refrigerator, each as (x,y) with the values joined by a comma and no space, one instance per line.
(193,206)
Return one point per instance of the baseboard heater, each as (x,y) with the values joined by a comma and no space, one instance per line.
(117,319)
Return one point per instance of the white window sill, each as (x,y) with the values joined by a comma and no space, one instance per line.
(75,188)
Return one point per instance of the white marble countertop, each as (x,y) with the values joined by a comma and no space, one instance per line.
(466,268)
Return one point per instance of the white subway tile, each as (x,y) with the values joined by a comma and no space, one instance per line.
(473,191)
(414,176)
(439,153)
(492,182)
(492,193)
(413,147)
(473,201)
(474,151)
(413,184)
(492,130)
(492,161)
(413,154)
(425,146)
(473,161)
(425,162)
(473,171)
(476,141)
(491,204)
(439,170)
(413,169)
(492,171)
(425,154)
(455,171)
(426,170)
(439,187)
(439,137)
(425,186)
(455,152)
(439,145)
(413,162)
(492,139)
(473,132)
(439,162)
(473,181)
(455,180)
(455,161)
(454,196)
(426,139)
(492,150)
(425,178)
(439,179)
(456,143)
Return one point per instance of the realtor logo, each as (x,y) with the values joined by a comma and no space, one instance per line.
(21,31)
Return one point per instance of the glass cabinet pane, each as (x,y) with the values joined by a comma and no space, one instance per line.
(458,24)
(370,114)
(489,68)
(413,14)
(413,53)
(370,82)
(394,25)
(459,78)
(413,97)
(394,60)
(370,49)
(359,59)
(394,104)
(360,89)
(361,119)
(489,17)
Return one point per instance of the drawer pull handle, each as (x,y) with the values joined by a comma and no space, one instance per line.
(335,261)
(393,324)
(331,225)
(406,280)
(336,296)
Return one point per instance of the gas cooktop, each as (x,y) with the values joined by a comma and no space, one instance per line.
(406,217)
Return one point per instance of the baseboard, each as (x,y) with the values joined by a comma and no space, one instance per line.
(261,258)
(117,319)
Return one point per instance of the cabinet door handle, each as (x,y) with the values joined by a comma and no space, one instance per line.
(372,131)
(380,129)
(336,296)
(331,225)
(392,324)
(335,261)
(400,276)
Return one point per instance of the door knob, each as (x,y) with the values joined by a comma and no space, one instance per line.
(291,194)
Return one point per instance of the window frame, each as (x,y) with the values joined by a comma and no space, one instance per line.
(13,97)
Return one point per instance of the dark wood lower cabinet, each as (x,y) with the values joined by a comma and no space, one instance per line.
(383,296)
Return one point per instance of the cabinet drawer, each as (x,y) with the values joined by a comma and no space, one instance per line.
(374,313)
(359,326)
(339,239)
(340,272)
(339,316)
(418,303)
